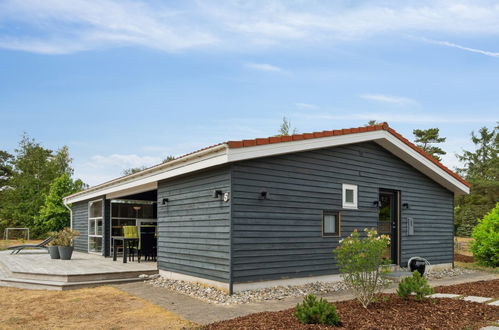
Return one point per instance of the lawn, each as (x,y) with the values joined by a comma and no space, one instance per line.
(6,243)
(93,308)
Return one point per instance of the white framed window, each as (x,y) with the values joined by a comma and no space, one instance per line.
(350,196)
(95,227)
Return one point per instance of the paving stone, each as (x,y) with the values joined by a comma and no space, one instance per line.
(494,303)
(444,295)
(490,327)
(477,299)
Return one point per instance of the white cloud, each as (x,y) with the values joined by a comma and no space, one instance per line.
(264,67)
(68,26)
(306,106)
(99,168)
(399,118)
(60,26)
(388,99)
(453,45)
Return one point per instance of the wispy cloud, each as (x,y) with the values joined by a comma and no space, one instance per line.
(468,49)
(60,26)
(383,98)
(263,67)
(398,118)
(307,106)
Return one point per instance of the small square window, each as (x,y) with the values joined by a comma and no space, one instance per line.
(349,196)
(330,223)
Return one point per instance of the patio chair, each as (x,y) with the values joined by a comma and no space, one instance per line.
(42,245)
(131,232)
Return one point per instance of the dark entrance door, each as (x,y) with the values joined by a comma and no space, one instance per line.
(388,220)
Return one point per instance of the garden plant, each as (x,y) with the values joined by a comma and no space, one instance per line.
(361,263)
(316,311)
(416,284)
(485,246)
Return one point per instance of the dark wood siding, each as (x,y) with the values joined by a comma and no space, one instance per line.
(80,223)
(194,227)
(281,237)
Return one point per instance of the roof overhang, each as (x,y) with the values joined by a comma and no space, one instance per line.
(222,154)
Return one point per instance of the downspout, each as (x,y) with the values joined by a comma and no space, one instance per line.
(70,214)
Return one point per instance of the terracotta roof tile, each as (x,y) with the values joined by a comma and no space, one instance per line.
(345,131)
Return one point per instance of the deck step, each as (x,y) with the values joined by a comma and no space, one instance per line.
(60,285)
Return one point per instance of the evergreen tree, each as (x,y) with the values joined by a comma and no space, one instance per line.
(34,168)
(481,169)
(425,138)
(285,128)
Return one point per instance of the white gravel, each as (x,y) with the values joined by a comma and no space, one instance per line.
(217,296)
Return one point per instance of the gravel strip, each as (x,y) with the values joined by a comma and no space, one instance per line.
(216,296)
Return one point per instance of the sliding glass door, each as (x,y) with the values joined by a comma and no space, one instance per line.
(95,228)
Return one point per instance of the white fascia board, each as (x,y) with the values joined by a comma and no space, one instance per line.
(422,164)
(133,190)
(209,160)
(273,149)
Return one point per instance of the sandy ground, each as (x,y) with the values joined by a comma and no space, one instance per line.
(93,308)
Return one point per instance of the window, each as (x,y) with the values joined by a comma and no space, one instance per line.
(95,226)
(349,196)
(330,223)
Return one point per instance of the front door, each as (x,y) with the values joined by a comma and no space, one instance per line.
(388,221)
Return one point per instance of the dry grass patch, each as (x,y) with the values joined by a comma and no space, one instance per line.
(10,242)
(92,308)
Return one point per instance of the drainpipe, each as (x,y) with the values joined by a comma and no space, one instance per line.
(70,215)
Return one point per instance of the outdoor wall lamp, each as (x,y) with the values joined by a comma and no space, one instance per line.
(164,201)
(217,193)
(405,206)
(264,194)
(376,204)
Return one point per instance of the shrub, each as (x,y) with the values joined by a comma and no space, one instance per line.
(415,284)
(361,264)
(65,237)
(485,246)
(314,311)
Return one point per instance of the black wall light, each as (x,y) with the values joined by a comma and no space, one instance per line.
(377,204)
(217,193)
(264,194)
(164,201)
(405,206)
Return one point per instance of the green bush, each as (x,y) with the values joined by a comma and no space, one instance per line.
(485,246)
(361,262)
(415,284)
(313,311)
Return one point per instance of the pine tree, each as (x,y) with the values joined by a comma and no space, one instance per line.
(425,138)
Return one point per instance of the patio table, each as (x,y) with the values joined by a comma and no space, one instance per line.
(125,240)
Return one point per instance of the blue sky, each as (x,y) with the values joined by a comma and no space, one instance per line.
(125,83)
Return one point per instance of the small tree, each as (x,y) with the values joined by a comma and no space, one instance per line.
(133,170)
(285,128)
(425,138)
(361,262)
(485,246)
(53,214)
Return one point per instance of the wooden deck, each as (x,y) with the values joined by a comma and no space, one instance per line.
(33,269)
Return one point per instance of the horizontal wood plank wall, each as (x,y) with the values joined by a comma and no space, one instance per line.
(281,237)
(194,227)
(80,223)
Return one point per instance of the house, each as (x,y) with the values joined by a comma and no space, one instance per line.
(255,213)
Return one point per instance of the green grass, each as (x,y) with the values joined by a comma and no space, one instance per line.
(475,266)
